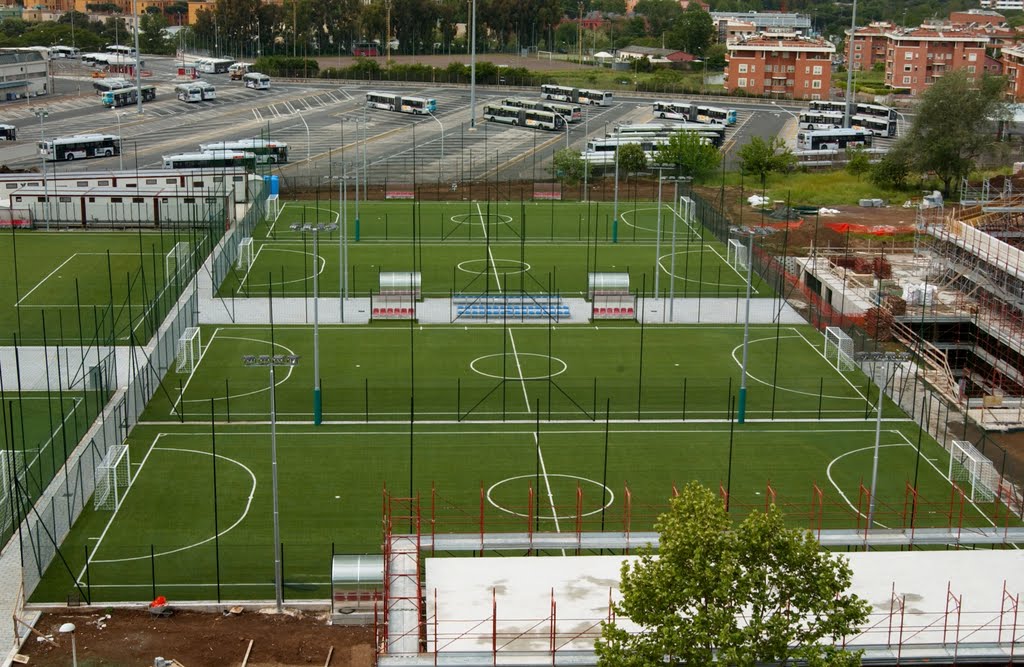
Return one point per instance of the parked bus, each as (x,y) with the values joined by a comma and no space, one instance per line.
(120,50)
(238,70)
(712,134)
(672,110)
(859,109)
(820,120)
(80,146)
(818,140)
(575,95)
(879,126)
(706,114)
(210,160)
(572,113)
(266,152)
(601,152)
(395,102)
(256,81)
(127,96)
(106,85)
(64,52)
(8,133)
(206,90)
(214,65)
(188,92)
(537,118)
(365,49)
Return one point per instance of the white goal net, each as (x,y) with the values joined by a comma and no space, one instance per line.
(189,349)
(972,472)
(12,467)
(736,255)
(245,253)
(113,477)
(839,349)
(176,259)
(273,207)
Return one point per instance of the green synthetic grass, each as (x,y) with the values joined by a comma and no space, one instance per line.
(84,294)
(475,247)
(488,372)
(332,482)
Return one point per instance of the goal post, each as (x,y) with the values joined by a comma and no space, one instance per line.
(113,477)
(176,258)
(972,472)
(838,350)
(736,255)
(273,208)
(189,349)
(245,254)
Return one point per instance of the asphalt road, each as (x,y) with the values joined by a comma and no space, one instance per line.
(330,131)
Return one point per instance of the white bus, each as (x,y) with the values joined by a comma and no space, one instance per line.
(272,152)
(879,125)
(419,106)
(8,132)
(214,65)
(820,120)
(210,160)
(396,102)
(126,96)
(570,112)
(120,50)
(818,140)
(206,90)
(711,134)
(80,146)
(64,52)
(256,81)
(672,110)
(601,152)
(189,92)
(537,118)
(575,95)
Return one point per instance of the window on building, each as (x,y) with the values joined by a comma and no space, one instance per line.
(816,84)
(815,96)
(906,79)
(817,70)
(753,68)
(807,69)
(743,68)
(742,83)
(790,69)
(138,200)
(907,68)
(972,57)
(856,47)
(81,184)
(908,55)
(768,69)
(115,200)
(971,69)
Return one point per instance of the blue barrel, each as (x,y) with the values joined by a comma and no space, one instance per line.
(266,182)
(274,185)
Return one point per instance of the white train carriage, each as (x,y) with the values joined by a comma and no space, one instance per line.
(120,208)
(196,181)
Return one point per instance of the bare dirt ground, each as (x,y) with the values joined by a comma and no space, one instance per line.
(535,63)
(194,639)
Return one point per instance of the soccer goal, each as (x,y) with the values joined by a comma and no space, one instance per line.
(189,349)
(113,477)
(839,349)
(736,255)
(245,253)
(177,258)
(972,472)
(12,466)
(273,208)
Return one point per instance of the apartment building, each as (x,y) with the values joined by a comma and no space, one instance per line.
(917,57)
(780,65)
(1012,59)
(869,44)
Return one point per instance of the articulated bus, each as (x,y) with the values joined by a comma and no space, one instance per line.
(127,96)
(572,113)
(120,50)
(575,95)
(879,126)
(859,109)
(266,152)
(80,146)
(210,160)
(818,140)
(8,133)
(214,65)
(706,114)
(256,81)
(107,85)
(601,152)
(536,118)
(395,102)
(672,110)
(710,134)
(820,120)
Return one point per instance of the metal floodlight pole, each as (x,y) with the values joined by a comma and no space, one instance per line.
(41,114)
(741,412)
(884,358)
(672,261)
(272,361)
(615,208)
(586,165)
(315,231)
(657,240)
(438,121)
(138,61)
(472,67)
(849,68)
(120,153)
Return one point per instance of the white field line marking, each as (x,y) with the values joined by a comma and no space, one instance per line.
(192,373)
(795,391)
(251,264)
(536,440)
(828,473)
(483,223)
(113,515)
(245,512)
(822,355)
(47,277)
(280,211)
(283,379)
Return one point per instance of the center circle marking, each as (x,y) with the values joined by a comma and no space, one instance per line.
(515,266)
(501,508)
(554,372)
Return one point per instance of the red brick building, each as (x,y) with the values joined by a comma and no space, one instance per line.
(1013,68)
(780,65)
(869,44)
(916,57)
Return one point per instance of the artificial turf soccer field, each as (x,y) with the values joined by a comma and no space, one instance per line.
(503,427)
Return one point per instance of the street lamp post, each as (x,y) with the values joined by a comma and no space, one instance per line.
(120,153)
(272,361)
(472,67)
(41,114)
(849,68)
(69,629)
(884,358)
(586,165)
(315,230)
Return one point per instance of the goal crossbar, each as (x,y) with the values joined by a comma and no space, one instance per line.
(973,472)
(189,350)
(838,350)
(176,258)
(113,477)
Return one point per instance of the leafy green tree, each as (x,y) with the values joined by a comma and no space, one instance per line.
(690,154)
(892,170)
(714,56)
(661,15)
(151,35)
(952,127)
(763,157)
(694,30)
(721,593)
(632,159)
(857,162)
(569,166)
